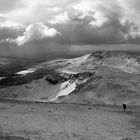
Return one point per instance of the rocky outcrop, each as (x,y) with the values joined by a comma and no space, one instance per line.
(107,54)
(55,78)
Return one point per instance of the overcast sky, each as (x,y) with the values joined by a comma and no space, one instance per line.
(34,28)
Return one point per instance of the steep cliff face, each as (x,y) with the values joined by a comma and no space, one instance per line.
(97,78)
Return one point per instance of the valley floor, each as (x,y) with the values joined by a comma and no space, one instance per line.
(40,121)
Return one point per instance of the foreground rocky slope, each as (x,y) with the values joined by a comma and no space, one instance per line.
(97,78)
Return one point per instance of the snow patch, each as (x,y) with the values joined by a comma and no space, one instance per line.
(81,59)
(68,71)
(66,89)
(2,78)
(3,63)
(26,71)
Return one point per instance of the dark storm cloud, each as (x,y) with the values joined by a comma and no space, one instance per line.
(76,32)
(46,27)
(92,23)
(78,22)
(10,32)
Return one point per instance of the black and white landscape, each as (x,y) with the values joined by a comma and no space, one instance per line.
(69,70)
(79,98)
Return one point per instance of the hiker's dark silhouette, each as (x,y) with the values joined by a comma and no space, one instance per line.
(124,107)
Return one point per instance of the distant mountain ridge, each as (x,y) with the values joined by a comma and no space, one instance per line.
(102,77)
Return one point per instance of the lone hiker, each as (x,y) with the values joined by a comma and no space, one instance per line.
(124,107)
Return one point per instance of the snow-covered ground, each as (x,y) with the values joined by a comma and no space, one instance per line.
(67,71)
(26,71)
(65,89)
(2,78)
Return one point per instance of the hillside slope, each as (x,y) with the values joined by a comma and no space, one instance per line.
(97,78)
